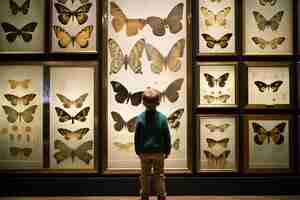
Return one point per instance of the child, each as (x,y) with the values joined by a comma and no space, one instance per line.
(152,144)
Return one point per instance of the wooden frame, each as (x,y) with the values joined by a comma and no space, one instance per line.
(271,169)
(107,86)
(235,29)
(234,147)
(46,126)
(260,66)
(222,66)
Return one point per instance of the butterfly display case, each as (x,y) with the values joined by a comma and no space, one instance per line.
(217,143)
(268,27)
(269,84)
(268,143)
(22,26)
(146,46)
(73,26)
(217,27)
(216,84)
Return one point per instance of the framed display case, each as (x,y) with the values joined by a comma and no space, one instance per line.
(269,85)
(217,143)
(141,52)
(216,84)
(268,27)
(217,27)
(73,26)
(268,143)
(22,26)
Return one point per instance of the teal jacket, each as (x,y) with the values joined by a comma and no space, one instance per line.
(152,139)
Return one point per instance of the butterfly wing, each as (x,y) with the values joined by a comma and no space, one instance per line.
(223,127)
(62,1)
(12,114)
(262,133)
(78,134)
(27,114)
(222,79)
(210,41)
(221,159)
(66,133)
(12,99)
(158,61)
(276,41)
(131,124)
(117,56)
(171,93)
(209,98)
(220,18)
(11,30)
(133,25)
(82,38)
(119,121)
(81,116)
(66,102)
(260,20)
(174,118)
(63,115)
(211,127)
(64,38)
(124,146)
(275,85)
(174,18)
(82,154)
(275,20)
(122,93)
(64,151)
(15,8)
(176,144)
(223,142)
(223,98)
(210,79)
(27,30)
(157,25)
(260,42)
(277,138)
(81,13)
(79,101)
(211,142)
(136,98)
(172,61)
(64,13)
(209,16)
(119,18)
(223,41)
(26,99)
(135,55)
(261,86)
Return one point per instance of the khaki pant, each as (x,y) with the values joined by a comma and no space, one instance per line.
(155,162)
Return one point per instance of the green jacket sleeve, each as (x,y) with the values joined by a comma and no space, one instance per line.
(137,139)
(167,135)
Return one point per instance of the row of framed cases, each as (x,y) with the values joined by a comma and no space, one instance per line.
(250,84)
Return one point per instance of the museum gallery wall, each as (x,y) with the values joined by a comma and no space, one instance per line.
(228,84)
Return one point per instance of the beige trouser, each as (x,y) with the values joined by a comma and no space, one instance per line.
(155,162)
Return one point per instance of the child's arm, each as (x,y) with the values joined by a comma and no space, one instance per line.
(167,135)
(137,139)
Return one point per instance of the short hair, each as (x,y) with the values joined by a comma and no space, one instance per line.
(151,95)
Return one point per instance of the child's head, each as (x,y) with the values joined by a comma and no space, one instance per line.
(151,98)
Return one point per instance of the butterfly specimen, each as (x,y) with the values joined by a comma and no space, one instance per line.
(216,99)
(25,100)
(24,84)
(124,146)
(120,20)
(67,103)
(173,21)
(215,19)
(274,86)
(174,118)
(20,152)
(65,14)
(65,1)
(176,144)
(265,2)
(211,142)
(66,152)
(213,128)
(64,116)
(13,32)
(77,134)
(262,22)
(220,81)
(81,38)
(15,8)
(119,59)
(26,115)
(120,123)
(123,94)
(171,61)
(216,161)
(171,92)
(262,43)
(211,42)
(263,134)
(216,1)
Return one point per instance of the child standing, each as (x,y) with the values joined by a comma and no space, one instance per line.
(152,144)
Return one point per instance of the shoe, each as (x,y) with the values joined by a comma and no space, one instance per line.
(161,198)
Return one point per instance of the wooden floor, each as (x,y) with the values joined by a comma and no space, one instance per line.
(154,198)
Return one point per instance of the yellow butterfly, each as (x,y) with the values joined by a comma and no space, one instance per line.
(20,152)
(216,161)
(211,42)
(67,103)
(25,100)
(262,43)
(216,99)
(211,142)
(66,152)
(215,19)
(81,38)
(77,134)
(119,59)
(124,146)
(172,60)
(273,23)
(119,20)
(24,84)
(13,115)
